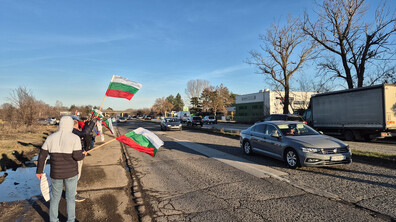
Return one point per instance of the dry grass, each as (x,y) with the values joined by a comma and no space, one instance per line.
(18,144)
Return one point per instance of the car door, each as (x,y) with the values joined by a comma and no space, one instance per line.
(258,135)
(272,144)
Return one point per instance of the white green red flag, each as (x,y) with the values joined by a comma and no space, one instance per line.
(97,113)
(77,113)
(109,125)
(142,140)
(122,87)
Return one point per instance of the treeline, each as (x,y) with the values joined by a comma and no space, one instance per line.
(25,109)
(202,97)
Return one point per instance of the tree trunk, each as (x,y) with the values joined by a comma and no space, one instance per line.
(286,100)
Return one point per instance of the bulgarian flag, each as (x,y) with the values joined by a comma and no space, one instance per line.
(122,87)
(109,125)
(142,140)
(97,113)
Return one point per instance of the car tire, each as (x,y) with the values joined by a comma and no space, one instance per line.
(291,158)
(247,148)
(348,134)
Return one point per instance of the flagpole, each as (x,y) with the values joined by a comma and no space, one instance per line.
(101,145)
(102,103)
(100,109)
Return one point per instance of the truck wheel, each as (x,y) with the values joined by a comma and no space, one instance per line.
(348,134)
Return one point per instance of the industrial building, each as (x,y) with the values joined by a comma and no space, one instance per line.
(255,106)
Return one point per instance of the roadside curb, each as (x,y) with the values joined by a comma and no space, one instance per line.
(137,193)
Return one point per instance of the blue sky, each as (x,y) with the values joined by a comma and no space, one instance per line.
(69,50)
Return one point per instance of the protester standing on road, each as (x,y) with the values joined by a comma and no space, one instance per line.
(82,134)
(64,148)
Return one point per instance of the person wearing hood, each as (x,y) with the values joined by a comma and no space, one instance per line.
(64,149)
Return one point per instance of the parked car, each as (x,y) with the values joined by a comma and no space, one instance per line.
(52,121)
(121,119)
(295,143)
(195,121)
(169,123)
(148,118)
(209,120)
(285,117)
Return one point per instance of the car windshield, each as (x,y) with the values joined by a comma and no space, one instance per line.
(296,129)
(168,120)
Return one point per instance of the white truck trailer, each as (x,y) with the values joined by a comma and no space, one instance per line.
(362,113)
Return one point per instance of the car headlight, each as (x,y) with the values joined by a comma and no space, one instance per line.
(169,125)
(310,150)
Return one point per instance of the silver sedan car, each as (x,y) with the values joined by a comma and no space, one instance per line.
(295,143)
(169,123)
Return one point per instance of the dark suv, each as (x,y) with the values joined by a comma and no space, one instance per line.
(195,121)
(285,117)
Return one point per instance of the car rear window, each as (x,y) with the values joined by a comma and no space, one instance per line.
(197,118)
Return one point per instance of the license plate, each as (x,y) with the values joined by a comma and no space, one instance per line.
(337,158)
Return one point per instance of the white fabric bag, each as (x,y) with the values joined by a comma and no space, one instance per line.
(45,184)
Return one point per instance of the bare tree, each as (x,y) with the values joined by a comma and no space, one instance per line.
(161,106)
(285,49)
(341,31)
(195,88)
(26,104)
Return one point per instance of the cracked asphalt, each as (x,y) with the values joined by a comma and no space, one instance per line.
(181,184)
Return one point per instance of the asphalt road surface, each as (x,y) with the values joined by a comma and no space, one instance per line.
(198,176)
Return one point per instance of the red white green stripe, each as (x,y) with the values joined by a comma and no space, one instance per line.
(97,113)
(109,125)
(122,87)
(142,140)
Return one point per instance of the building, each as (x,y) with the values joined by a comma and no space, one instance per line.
(256,106)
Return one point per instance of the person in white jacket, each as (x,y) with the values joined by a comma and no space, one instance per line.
(64,148)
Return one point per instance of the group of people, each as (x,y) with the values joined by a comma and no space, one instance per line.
(67,148)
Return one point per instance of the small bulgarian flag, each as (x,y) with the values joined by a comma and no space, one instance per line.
(142,140)
(122,87)
(108,124)
(97,113)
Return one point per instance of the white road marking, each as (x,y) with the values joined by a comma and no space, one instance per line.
(247,166)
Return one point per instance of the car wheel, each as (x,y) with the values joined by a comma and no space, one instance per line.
(247,148)
(291,158)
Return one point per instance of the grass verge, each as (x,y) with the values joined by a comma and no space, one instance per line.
(374,158)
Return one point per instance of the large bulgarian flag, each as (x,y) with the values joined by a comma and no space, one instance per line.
(142,140)
(122,87)
(109,125)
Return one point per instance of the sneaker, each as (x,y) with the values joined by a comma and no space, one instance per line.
(79,198)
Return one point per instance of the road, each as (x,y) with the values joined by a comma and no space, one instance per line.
(198,176)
